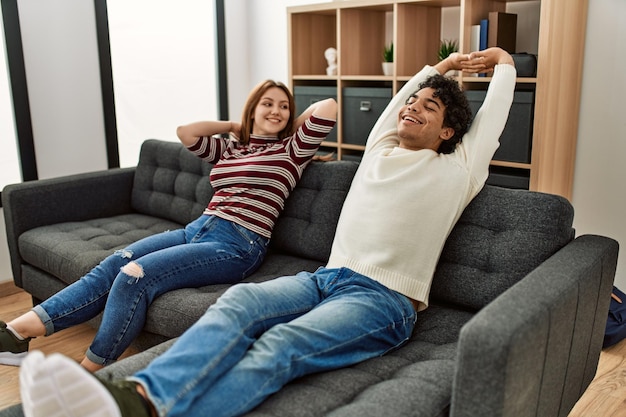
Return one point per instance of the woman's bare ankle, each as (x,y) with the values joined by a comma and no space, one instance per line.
(28,325)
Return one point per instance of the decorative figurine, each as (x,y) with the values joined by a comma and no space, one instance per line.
(331,57)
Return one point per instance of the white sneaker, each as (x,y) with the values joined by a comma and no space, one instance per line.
(57,386)
(12,359)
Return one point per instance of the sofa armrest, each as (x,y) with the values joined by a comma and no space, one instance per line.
(534,350)
(77,197)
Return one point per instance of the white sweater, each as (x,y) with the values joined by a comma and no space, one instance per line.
(403,204)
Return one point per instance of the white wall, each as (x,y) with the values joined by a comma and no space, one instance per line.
(260,52)
(599,195)
(5,261)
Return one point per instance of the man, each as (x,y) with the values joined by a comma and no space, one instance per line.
(421,167)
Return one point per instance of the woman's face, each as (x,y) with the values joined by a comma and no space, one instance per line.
(271,115)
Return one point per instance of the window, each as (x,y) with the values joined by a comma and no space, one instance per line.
(164,68)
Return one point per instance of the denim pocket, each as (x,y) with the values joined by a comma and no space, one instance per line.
(250,236)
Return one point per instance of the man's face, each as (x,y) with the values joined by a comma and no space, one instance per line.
(420,122)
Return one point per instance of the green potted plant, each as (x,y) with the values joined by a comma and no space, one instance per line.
(388,59)
(446,48)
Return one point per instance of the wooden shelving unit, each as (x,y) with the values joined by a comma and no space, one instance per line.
(359,29)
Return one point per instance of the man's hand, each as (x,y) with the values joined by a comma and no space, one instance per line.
(485,60)
(454,61)
(476,62)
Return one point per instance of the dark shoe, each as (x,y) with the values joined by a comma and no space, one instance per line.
(12,350)
(128,399)
(58,386)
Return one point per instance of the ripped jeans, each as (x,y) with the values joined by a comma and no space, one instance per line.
(208,250)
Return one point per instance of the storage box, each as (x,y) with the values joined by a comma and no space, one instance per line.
(516,139)
(525,64)
(361,108)
(307,95)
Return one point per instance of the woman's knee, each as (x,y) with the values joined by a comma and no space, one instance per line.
(133,270)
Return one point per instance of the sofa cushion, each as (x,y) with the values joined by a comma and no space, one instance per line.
(413,380)
(421,389)
(70,250)
(173,312)
(306,227)
(170,182)
(502,235)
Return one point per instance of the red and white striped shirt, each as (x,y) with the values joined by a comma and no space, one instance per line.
(252,182)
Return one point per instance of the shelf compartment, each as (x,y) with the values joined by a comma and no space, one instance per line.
(307,52)
(413,52)
(362,40)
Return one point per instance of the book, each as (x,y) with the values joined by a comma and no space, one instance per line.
(502,31)
(475,40)
(484,34)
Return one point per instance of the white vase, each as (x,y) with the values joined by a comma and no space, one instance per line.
(388,68)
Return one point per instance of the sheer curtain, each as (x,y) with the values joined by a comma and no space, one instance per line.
(164,72)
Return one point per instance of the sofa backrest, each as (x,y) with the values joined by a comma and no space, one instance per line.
(306,227)
(170,182)
(501,236)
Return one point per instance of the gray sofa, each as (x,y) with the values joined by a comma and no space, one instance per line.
(518,305)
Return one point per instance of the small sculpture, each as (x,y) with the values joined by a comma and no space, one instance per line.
(331,57)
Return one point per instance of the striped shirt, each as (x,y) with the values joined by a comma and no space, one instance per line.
(252,182)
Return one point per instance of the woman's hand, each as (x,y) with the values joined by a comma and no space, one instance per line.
(189,134)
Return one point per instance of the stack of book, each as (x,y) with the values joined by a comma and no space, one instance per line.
(500,29)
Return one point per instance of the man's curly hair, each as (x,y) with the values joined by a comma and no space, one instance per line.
(457,115)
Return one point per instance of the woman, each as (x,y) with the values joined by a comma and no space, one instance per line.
(255,170)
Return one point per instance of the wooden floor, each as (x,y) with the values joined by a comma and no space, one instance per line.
(71,342)
(605,397)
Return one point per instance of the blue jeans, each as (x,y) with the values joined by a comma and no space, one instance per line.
(208,250)
(258,337)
